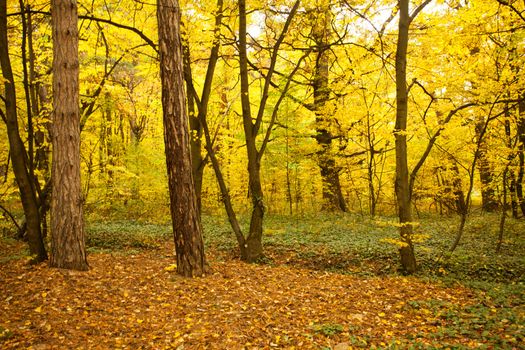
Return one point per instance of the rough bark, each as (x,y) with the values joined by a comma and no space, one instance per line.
(18,153)
(332,194)
(67,222)
(187,230)
(402,189)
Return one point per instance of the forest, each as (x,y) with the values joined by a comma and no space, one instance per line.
(249,174)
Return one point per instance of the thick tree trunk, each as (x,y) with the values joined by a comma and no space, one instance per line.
(67,221)
(332,194)
(189,246)
(18,153)
(402,189)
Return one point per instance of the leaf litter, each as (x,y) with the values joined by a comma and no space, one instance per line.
(138,302)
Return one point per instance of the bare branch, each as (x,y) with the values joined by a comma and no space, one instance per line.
(418,10)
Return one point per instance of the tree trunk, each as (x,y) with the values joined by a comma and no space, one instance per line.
(67,222)
(189,246)
(408,259)
(489,202)
(503,215)
(512,184)
(521,152)
(18,153)
(198,117)
(253,243)
(459,195)
(197,160)
(333,199)
(39,103)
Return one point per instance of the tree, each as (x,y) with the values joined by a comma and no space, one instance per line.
(189,246)
(489,201)
(332,193)
(402,187)
(17,151)
(202,101)
(253,243)
(67,221)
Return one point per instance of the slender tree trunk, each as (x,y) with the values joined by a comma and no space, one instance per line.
(408,259)
(27,95)
(471,174)
(371,166)
(459,195)
(67,221)
(521,152)
(504,184)
(189,246)
(488,195)
(197,117)
(18,153)
(332,194)
(512,185)
(39,102)
(289,197)
(197,160)
(503,215)
(253,244)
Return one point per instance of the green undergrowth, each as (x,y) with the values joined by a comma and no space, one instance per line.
(349,244)
(125,235)
(345,243)
(362,245)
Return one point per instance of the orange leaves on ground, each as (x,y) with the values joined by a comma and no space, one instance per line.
(138,302)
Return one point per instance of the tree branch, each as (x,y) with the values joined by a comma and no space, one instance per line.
(273,62)
(102,20)
(418,10)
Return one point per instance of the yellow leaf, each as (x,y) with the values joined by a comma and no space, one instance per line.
(381,314)
(44,294)
(38,309)
(172,267)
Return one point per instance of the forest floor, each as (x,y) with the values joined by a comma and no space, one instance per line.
(294,299)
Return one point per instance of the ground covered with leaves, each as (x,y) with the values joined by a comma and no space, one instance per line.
(318,288)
